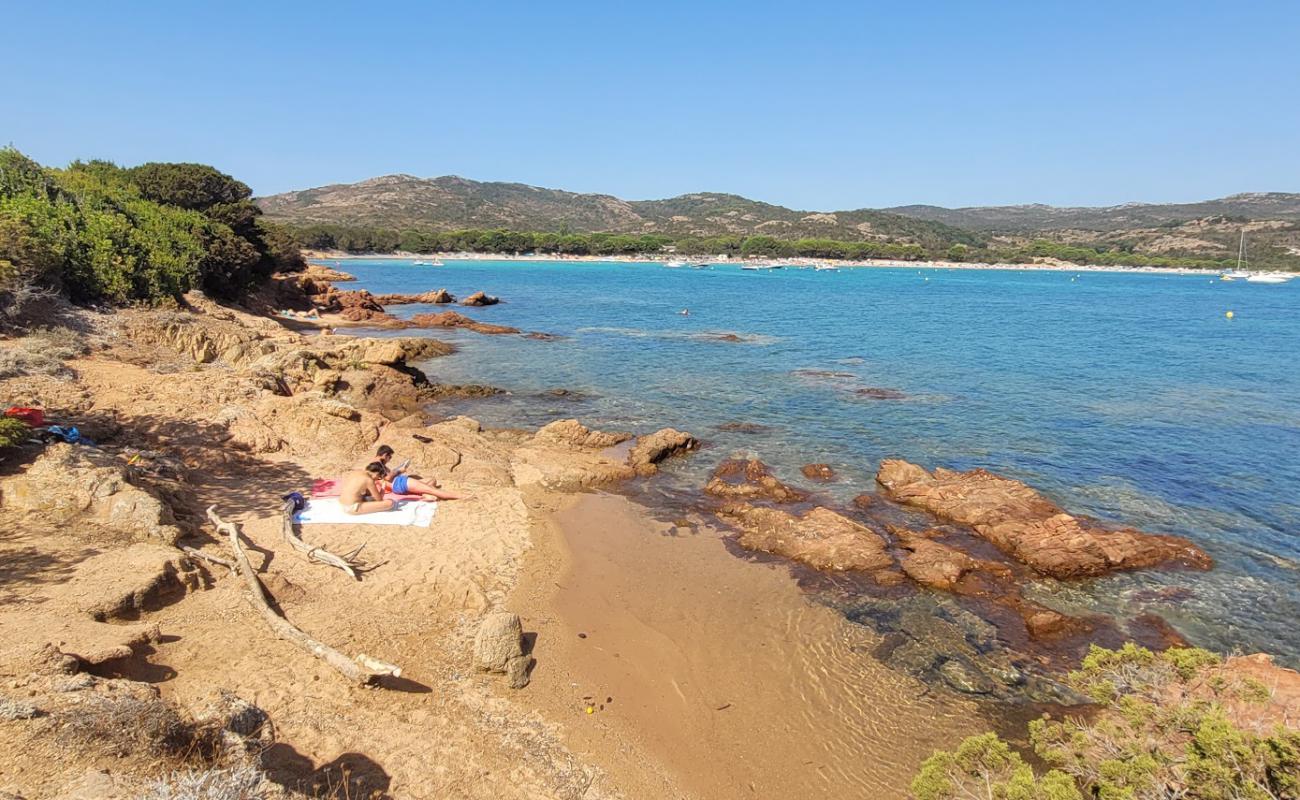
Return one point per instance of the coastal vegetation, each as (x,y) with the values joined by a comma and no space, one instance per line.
(98,232)
(1177,724)
(355,239)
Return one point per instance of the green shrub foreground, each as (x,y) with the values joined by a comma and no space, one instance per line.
(99,232)
(1169,728)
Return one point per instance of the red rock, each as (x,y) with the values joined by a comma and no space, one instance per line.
(1027,526)
(820,538)
(451,319)
(818,472)
(662,444)
(865,500)
(480,299)
(750,479)
(437,296)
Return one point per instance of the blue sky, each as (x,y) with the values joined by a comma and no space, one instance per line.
(826,105)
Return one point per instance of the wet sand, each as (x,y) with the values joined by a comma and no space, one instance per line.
(710,676)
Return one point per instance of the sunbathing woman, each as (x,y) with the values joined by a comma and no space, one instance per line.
(361,491)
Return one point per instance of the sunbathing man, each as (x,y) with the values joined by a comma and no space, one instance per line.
(361,490)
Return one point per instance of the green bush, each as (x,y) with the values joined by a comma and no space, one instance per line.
(12,432)
(1163,732)
(97,232)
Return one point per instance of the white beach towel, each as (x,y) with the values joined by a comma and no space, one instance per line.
(326,510)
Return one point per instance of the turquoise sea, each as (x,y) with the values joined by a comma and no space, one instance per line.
(1129,397)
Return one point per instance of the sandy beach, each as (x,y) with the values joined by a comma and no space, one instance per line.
(325,256)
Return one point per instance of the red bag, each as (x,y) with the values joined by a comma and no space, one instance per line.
(34,417)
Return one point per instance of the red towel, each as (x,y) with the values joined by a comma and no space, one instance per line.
(34,417)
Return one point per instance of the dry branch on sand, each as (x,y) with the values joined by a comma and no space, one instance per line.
(362,670)
(347,562)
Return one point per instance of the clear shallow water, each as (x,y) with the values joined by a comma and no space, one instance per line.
(1126,396)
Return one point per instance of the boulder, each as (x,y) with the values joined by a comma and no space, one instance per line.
(71,482)
(451,319)
(820,538)
(571,433)
(499,648)
(1029,527)
(750,479)
(480,299)
(653,448)
(817,472)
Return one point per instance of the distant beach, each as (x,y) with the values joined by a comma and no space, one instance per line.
(807,263)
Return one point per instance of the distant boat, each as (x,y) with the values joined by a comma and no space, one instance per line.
(675,264)
(826,268)
(1268,277)
(434,263)
(1240,271)
(701,266)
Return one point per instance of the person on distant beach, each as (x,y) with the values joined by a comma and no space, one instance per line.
(361,490)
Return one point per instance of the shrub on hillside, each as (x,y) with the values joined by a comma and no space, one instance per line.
(1170,726)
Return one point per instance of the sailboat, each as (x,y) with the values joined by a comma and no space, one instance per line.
(1255,277)
(1239,272)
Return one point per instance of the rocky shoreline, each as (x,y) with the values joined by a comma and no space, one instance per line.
(210,405)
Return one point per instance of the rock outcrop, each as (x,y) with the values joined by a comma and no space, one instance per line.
(480,299)
(70,483)
(1027,526)
(750,479)
(820,538)
(435,297)
(451,319)
(653,448)
(498,647)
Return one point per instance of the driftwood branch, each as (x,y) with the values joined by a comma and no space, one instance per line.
(363,672)
(347,562)
(208,557)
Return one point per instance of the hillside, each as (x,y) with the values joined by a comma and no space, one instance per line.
(1038,217)
(450,203)
(1159,234)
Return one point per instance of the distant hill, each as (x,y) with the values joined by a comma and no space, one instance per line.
(1036,217)
(450,203)
(1205,230)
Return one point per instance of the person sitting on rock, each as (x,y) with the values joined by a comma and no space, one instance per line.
(361,490)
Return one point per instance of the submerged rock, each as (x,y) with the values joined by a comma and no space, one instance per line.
(880,393)
(750,479)
(820,538)
(1027,526)
(864,500)
(818,472)
(743,427)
